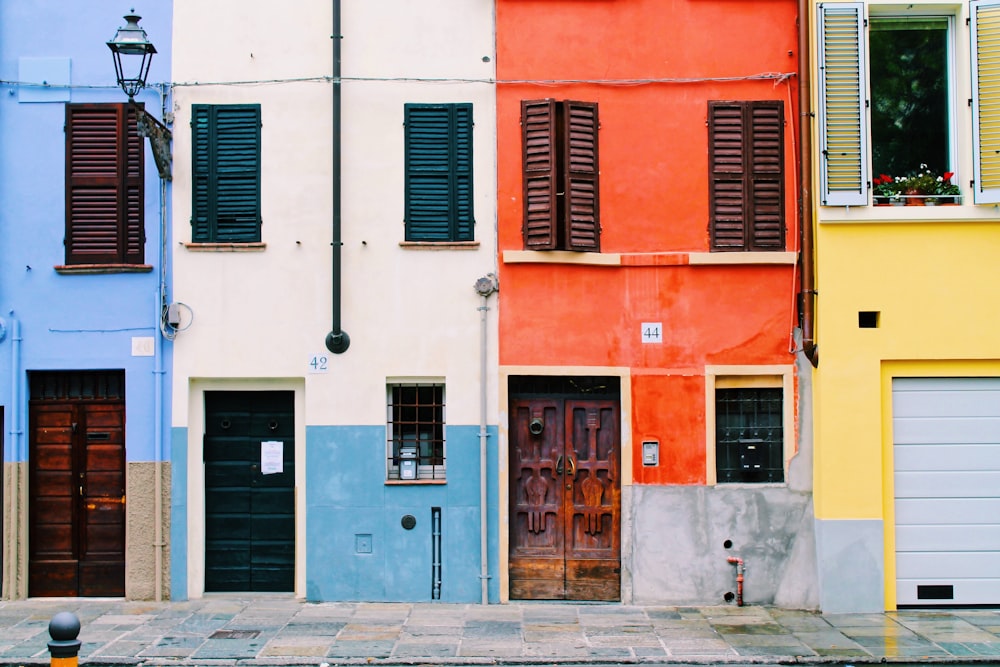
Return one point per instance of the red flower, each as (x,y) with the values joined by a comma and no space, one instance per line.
(947,176)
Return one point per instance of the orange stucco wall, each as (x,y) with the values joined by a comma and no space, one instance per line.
(654,199)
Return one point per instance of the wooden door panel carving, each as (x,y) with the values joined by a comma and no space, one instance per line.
(565,499)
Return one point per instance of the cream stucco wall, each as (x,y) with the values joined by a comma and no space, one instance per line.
(408,312)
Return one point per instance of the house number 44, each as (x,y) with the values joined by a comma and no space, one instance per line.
(652,332)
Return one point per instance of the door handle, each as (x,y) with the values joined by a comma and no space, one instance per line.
(571,466)
(559,468)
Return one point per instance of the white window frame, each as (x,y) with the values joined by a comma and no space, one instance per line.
(837,76)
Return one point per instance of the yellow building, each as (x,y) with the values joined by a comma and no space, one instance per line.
(907,237)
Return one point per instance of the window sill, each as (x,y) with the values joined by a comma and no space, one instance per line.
(69,269)
(439,245)
(418,482)
(647,259)
(225,247)
(908,214)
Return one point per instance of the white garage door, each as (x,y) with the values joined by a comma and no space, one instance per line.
(946,449)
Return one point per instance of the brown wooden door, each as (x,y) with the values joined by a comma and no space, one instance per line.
(77,499)
(565,499)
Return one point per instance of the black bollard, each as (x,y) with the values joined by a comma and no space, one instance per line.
(64,647)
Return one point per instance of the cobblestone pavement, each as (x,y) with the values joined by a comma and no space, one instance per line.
(284,631)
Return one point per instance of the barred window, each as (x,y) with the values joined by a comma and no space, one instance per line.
(415,430)
(749,436)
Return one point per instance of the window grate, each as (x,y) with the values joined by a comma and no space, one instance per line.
(749,435)
(415,427)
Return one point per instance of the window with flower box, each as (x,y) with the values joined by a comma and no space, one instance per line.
(889,100)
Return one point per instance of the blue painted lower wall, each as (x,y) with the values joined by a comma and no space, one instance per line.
(347,500)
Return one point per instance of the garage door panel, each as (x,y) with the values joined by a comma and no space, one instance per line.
(965,592)
(947,484)
(945,565)
(938,430)
(949,538)
(947,403)
(946,472)
(961,456)
(947,510)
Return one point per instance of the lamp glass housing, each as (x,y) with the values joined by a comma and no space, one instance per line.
(133,54)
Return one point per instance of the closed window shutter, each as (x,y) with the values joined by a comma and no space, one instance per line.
(104,181)
(438,156)
(766,153)
(582,209)
(728,182)
(538,141)
(226,173)
(986,99)
(842,118)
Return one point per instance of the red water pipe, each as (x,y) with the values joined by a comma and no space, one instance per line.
(738,562)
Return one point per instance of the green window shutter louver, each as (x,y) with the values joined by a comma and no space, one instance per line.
(985,40)
(226,173)
(842,115)
(438,172)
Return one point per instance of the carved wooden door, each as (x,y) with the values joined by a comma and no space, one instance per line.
(565,499)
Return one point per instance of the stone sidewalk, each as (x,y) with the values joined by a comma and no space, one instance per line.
(273,630)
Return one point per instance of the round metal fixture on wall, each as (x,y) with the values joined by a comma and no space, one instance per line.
(408,521)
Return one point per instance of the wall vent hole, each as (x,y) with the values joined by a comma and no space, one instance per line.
(868,319)
(728,544)
(729,597)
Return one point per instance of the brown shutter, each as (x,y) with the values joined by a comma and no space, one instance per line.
(582,210)
(766,152)
(103,185)
(538,130)
(727,175)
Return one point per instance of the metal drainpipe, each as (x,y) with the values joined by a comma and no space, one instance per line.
(485,286)
(808,268)
(11,563)
(337,341)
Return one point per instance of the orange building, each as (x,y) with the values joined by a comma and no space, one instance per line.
(649,238)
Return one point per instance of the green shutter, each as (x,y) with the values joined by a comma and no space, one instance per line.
(225,173)
(842,116)
(986,99)
(438,180)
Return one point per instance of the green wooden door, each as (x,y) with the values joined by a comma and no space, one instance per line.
(249,455)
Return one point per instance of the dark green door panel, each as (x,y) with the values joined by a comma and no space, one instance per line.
(249,515)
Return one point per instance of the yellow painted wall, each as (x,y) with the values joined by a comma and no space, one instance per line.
(934,283)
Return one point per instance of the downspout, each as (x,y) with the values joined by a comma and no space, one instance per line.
(337,341)
(808,261)
(12,562)
(159,373)
(485,286)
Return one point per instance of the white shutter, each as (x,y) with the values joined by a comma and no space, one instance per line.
(986,99)
(842,115)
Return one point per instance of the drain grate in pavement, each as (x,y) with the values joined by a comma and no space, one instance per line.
(234,634)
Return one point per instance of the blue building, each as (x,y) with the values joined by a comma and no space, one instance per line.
(85,343)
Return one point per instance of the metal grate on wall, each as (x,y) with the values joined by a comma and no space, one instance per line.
(76,385)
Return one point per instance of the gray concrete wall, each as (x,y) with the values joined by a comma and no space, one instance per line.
(140,531)
(851,565)
(679,534)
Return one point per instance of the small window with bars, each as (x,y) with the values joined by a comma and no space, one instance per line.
(415,428)
(749,436)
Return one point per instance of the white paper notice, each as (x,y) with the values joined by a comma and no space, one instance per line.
(271,454)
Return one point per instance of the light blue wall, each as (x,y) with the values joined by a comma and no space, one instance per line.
(70,322)
(346,495)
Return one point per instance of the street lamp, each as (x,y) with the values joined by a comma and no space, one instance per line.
(131,42)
